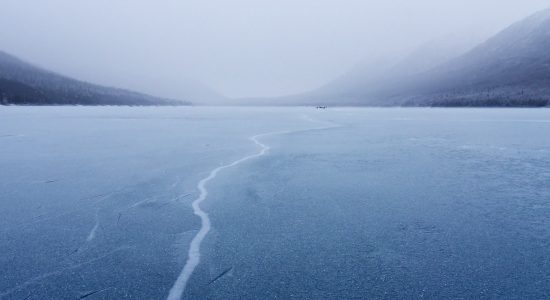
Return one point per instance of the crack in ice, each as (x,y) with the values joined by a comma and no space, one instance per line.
(194,249)
(194,254)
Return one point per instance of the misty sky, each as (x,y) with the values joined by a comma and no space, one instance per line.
(237,47)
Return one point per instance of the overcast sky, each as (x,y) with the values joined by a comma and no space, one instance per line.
(237,47)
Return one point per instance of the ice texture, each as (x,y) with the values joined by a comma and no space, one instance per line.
(342,203)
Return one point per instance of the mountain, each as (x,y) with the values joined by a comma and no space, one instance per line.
(424,58)
(510,69)
(434,53)
(24,84)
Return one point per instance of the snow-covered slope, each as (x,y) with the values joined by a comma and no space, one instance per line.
(510,69)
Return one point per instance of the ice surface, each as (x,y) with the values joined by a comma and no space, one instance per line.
(392,203)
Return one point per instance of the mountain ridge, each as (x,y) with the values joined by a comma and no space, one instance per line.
(22,83)
(512,68)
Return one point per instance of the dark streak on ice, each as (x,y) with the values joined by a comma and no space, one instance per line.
(92,293)
(221,275)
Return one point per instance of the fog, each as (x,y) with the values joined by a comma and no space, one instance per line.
(239,48)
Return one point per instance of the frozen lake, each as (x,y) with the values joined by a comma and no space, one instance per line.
(343,203)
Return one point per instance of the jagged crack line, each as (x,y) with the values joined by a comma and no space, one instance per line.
(194,249)
(194,254)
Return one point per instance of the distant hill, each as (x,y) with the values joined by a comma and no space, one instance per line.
(510,69)
(24,84)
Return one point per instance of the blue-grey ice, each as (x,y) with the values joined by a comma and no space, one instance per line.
(241,203)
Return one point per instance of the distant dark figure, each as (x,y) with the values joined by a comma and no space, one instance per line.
(321,107)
